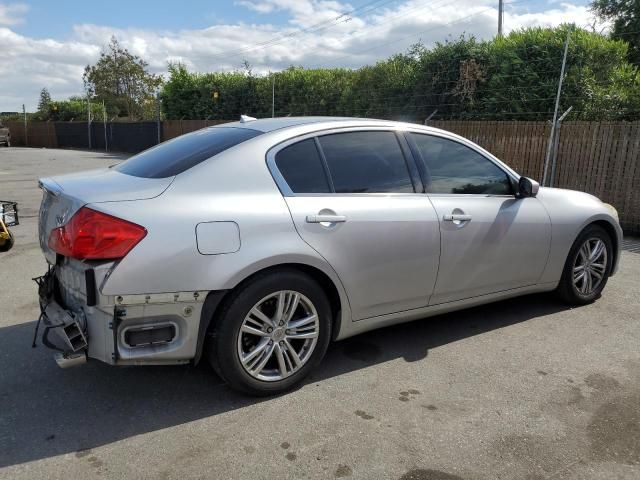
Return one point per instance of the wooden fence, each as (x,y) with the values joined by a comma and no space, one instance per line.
(598,158)
(37,134)
(601,158)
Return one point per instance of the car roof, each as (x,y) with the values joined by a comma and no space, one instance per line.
(271,124)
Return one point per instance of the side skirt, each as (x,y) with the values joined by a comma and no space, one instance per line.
(349,329)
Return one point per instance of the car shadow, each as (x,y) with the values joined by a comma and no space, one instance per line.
(46,411)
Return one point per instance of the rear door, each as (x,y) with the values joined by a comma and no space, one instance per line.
(491,240)
(352,198)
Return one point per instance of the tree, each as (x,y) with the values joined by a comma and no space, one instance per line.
(625,15)
(44,104)
(122,81)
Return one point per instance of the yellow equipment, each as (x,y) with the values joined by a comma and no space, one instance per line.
(8,218)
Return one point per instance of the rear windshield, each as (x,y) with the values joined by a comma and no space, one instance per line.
(180,154)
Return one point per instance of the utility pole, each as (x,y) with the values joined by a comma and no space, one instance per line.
(273,95)
(555,110)
(26,139)
(500,16)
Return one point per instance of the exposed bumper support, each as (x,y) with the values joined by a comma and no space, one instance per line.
(139,329)
(68,360)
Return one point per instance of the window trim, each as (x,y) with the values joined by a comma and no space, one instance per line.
(424,167)
(325,165)
(281,182)
(286,190)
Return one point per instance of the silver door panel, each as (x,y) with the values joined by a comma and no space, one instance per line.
(384,247)
(489,244)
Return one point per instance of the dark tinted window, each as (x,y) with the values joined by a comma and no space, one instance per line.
(301,166)
(366,162)
(180,154)
(455,168)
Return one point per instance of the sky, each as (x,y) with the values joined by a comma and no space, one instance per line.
(47,44)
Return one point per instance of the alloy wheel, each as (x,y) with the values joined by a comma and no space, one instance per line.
(590,266)
(278,335)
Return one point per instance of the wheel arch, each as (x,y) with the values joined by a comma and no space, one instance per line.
(615,240)
(215,299)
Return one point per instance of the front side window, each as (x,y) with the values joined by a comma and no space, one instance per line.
(366,162)
(455,168)
(180,154)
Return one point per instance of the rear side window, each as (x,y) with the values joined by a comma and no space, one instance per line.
(180,154)
(301,166)
(455,168)
(366,162)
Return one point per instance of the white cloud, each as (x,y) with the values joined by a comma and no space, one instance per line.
(12,13)
(578,14)
(319,33)
(295,7)
(260,7)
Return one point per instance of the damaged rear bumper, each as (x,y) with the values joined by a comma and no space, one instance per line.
(153,329)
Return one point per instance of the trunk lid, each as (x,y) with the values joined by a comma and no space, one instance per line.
(64,195)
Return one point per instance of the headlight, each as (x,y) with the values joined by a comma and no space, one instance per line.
(613,211)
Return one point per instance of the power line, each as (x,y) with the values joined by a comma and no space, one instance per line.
(322,26)
(413,35)
(311,29)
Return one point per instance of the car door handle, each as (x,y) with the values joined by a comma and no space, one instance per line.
(326,219)
(456,217)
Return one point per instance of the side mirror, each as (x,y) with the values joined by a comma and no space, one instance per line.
(527,187)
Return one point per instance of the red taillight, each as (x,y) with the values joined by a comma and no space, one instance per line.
(91,235)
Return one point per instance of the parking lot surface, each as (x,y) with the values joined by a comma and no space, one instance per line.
(522,389)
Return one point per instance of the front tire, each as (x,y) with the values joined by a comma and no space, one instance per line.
(587,267)
(271,333)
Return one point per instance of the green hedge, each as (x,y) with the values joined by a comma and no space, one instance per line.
(510,78)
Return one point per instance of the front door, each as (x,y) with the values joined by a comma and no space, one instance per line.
(491,241)
(359,211)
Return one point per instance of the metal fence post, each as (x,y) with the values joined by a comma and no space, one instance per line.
(26,138)
(426,120)
(104,120)
(158,118)
(555,110)
(556,142)
(89,121)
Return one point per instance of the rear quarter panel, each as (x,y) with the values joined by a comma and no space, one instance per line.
(235,186)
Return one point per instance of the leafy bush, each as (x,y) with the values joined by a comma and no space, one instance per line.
(513,78)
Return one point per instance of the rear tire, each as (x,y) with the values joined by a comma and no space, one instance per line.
(587,267)
(283,315)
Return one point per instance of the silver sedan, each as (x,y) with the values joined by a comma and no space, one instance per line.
(259,242)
